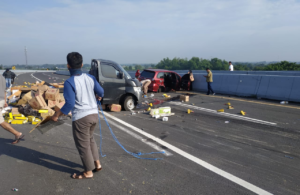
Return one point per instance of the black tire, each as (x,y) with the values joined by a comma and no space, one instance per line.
(129,103)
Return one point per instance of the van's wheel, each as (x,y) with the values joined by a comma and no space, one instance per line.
(160,89)
(129,103)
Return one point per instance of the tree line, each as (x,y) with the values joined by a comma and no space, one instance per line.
(196,63)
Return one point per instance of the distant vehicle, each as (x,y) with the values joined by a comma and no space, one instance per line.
(162,80)
(119,87)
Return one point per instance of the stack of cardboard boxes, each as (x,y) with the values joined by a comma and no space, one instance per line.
(40,97)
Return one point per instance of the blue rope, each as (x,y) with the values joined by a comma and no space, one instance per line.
(136,155)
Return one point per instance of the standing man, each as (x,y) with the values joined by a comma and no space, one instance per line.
(230,66)
(79,93)
(8,75)
(145,84)
(3,104)
(191,79)
(209,80)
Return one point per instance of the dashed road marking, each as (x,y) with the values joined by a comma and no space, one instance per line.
(224,114)
(204,164)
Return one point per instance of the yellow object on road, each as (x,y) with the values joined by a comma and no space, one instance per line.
(31,118)
(243,113)
(10,115)
(150,104)
(228,104)
(189,111)
(43,111)
(230,107)
(149,109)
(221,110)
(18,115)
(18,122)
(25,83)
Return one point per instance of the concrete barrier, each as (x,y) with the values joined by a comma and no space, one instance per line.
(282,88)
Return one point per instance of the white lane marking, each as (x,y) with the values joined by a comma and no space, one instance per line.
(224,114)
(153,145)
(204,164)
(35,77)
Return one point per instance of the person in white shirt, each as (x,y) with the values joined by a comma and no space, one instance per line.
(230,66)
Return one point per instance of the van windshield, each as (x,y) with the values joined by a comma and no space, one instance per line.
(147,74)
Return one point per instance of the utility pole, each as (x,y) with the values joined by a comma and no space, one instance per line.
(26,55)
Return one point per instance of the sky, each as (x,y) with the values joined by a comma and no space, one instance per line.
(146,31)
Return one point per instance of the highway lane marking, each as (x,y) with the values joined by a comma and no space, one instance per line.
(256,102)
(204,164)
(138,137)
(35,77)
(224,114)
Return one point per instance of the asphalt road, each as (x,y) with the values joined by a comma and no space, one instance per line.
(205,152)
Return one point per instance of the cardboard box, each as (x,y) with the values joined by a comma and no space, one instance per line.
(27,96)
(34,88)
(15,88)
(184,98)
(115,108)
(15,111)
(16,94)
(59,105)
(43,88)
(52,94)
(22,101)
(38,102)
(51,103)
(62,98)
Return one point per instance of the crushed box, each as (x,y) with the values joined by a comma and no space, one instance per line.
(37,102)
(184,98)
(59,105)
(52,94)
(15,111)
(52,103)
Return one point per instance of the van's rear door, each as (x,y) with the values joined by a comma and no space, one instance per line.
(111,81)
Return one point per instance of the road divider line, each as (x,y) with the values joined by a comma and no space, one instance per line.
(224,114)
(204,164)
(136,136)
(151,144)
(35,77)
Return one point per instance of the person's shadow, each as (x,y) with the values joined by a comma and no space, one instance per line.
(33,156)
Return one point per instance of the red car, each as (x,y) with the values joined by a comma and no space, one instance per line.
(162,80)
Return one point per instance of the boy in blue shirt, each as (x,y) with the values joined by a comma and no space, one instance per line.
(79,94)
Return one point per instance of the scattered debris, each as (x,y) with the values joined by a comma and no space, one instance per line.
(115,108)
(184,98)
(228,104)
(243,113)
(230,107)
(221,110)
(165,119)
(15,189)
(288,156)
(284,102)
(226,121)
(150,105)
(151,95)
(189,111)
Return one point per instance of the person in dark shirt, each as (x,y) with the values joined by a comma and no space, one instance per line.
(8,75)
